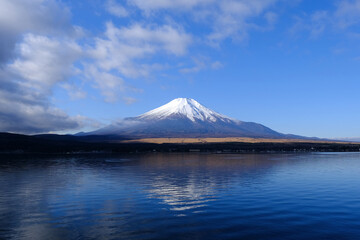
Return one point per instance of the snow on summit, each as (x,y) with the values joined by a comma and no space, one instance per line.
(184,117)
(186,107)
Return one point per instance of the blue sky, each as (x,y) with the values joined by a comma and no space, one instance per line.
(69,66)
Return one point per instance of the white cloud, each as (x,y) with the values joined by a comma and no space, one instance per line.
(153,38)
(27,82)
(109,84)
(44,55)
(114,8)
(42,61)
(37,16)
(233,19)
(226,18)
(122,47)
(122,53)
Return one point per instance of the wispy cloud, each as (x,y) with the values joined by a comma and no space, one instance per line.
(178,5)
(234,18)
(224,19)
(345,14)
(121,47)
(116,9)
(315,23)
(74,91)
(129,100)
(201,63)
(109,84)
(118,54)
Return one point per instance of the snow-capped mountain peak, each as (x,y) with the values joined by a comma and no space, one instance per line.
(185,107)
(184,117)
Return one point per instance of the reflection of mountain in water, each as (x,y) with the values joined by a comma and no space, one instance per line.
(128,197)
(180,197)
(188,182)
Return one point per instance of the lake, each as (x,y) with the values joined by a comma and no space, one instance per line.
(181,196)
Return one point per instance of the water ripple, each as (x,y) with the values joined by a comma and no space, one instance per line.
(181,196)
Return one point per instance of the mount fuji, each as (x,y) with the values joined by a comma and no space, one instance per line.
(185,117)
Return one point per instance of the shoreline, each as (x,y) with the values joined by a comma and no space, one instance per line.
(59,144)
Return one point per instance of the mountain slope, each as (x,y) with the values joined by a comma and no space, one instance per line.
(184,117)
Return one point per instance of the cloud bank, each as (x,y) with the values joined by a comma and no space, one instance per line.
(32,63)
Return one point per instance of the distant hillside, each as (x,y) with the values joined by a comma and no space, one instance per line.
(14,144)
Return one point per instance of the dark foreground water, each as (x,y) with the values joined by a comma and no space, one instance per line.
(181,196)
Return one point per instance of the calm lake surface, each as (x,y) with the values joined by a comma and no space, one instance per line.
(181,196)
